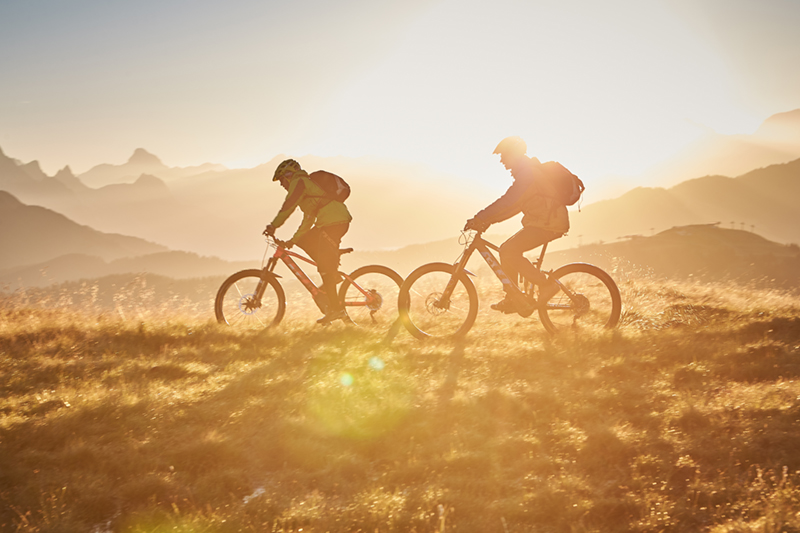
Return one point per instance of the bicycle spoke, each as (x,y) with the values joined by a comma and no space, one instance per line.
(593,303)
(235,301)
(370,295)
(421,295)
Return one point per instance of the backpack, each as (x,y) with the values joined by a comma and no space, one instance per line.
(334,187)
(567,186)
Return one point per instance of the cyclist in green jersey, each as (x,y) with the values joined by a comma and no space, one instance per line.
(325,221)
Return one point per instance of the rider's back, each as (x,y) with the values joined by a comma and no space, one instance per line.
(531,194)
(315,202)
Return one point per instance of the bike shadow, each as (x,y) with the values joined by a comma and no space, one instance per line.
(455,364)
(393,331)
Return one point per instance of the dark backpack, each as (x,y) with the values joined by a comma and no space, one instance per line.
(332,185)
(567,186)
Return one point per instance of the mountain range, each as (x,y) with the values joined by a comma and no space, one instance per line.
(702,252)
(141,162)
(222,212)
(145,209)
(763,200)
(215,211)
(64,250)
(777,140)
(33,234)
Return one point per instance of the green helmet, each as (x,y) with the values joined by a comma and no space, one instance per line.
(289,164)
(511,146)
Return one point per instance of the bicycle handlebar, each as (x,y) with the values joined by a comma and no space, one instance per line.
(476,224)
(274,240)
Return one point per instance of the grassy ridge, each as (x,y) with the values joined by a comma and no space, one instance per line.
(686,419)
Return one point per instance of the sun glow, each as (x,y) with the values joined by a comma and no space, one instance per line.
(580,82)
(609,88)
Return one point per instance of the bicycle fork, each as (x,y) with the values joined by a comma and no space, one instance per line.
(255,303)
(443,302)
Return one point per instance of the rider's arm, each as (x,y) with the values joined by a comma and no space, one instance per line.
(293,196)
(305,225)
(509,204)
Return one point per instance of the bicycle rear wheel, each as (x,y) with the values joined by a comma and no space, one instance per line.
(592,302)
(423,311)
(236,303)
(370,296)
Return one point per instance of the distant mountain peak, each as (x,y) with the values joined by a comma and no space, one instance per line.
(143,157)
(65,172)
(148,180)
(781,126)
(34,170)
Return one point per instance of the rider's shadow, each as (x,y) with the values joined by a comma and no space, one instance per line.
(455,364)
(393,331)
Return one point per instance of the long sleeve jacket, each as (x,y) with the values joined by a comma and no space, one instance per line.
(532,195)
(316,207)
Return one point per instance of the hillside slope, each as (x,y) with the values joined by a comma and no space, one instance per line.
(700,252)
(776,141)
(764,200)
(33,234)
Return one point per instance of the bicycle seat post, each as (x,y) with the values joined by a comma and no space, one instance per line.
(540,261)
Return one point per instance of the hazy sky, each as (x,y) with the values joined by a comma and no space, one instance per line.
(607,87)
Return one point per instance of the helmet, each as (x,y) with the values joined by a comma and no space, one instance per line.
(289,164)
(512,146)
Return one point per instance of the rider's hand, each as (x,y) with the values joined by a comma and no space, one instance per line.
(288,244)
(269,231)
(476,224)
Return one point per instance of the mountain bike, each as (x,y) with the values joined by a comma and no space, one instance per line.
(440,299)
(255,298)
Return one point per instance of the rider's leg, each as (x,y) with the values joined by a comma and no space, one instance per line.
(328,266)
(514,262)
(310,243)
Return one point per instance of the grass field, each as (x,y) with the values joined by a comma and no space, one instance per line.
(144,417)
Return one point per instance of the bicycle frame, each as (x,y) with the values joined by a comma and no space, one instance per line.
(484,248)
(285,255)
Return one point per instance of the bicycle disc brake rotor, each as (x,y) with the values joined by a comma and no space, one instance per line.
(433,305)
(248,304)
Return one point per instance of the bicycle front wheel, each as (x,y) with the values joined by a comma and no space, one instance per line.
(424,309)
(588,302)
(370,296)
(238,305)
